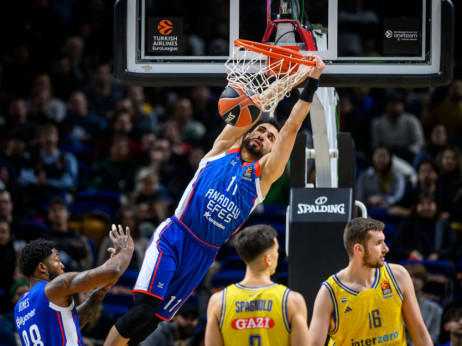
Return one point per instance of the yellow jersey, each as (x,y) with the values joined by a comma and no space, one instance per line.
(255,316)
(370,317)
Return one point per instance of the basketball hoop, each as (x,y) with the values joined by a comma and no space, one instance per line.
(268,72)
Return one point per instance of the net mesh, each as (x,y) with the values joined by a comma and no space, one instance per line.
(265,79)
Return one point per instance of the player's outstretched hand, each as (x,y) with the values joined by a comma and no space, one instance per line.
(316,72)
(312,71)
(120,239)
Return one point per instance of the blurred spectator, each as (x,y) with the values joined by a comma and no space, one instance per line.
(181,176)
(424,235)
(171,131)
(93,21)
(43,104)
(127,217)
(49,168)
(7,176)
(83,127)
(74,249)
(205,110)
(190,129)
(63,78)
(416,100)
(449,113)
(427,183)
(41,23)
(7,264)
(6,212)
(148,189)
(7,321)
(400,131)
(73,49)
(452,323)
(379,186)
(150,197)
(431,311)
(181,328)
(18,121)
(151,215)
(160,154)
(146,117)
(437,142)
(147,140)
(19,72)
(103,92)
(121,128)
(364,104)
(356,125)
(117,172)
(126,105)
(449,162)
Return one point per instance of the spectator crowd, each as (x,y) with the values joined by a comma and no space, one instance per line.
(78,151)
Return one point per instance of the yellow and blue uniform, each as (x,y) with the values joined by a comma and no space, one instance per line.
(217,201)
(370,317)
(255,315)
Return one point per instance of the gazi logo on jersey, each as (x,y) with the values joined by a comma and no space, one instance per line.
(253,323)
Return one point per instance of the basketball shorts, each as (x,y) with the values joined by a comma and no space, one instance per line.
(174,263)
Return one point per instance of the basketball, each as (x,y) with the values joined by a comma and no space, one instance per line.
(236,108)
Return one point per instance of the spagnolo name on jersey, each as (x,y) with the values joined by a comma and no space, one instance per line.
(220,209)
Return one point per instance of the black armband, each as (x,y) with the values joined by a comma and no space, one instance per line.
(311,85)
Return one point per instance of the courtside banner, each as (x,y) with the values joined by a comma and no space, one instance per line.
(321,204)
(164,36)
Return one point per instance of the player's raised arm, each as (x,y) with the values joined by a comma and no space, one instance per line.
(70,283)
(273,164)
(320,322)
(213,336)
(410,309)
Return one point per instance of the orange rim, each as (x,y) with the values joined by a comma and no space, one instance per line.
(274,51)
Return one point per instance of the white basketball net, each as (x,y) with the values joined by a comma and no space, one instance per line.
(266,80)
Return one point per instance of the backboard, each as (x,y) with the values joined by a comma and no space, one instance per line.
(364,43)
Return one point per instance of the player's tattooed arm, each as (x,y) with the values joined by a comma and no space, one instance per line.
(71,283)
(87,309)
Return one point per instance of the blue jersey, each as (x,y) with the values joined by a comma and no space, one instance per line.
(222,194)
(40,322)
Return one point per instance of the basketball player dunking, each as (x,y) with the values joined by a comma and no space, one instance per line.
(231,180)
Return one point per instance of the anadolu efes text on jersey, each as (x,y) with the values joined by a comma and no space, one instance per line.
(222,194)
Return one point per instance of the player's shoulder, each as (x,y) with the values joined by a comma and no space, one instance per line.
(216,298)
(296,298)
(398,271)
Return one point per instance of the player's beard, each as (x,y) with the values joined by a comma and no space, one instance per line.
(369,263)
(252,149)
(52,274)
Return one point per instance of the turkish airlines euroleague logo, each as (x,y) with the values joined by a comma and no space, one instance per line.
(253,323)
(165,27)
